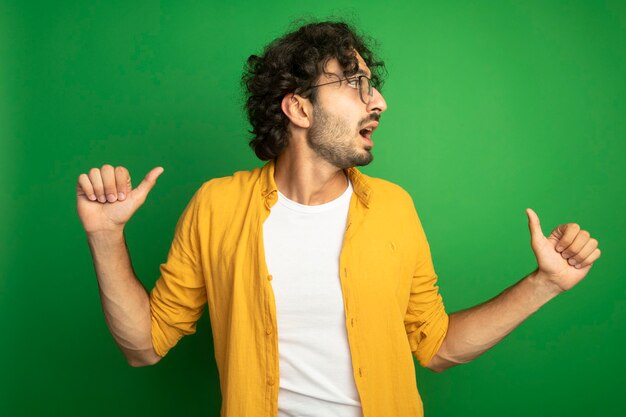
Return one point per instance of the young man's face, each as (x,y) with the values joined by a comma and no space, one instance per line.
(341,132)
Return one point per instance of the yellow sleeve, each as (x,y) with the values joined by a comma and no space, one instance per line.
(426,320)
(178,298)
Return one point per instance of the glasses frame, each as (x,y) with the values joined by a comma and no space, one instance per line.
(370,92)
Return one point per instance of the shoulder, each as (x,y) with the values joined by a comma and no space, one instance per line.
(389,201)
(237,185)
(224,196)
(387,192)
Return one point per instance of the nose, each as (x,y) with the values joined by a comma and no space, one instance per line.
(377,102)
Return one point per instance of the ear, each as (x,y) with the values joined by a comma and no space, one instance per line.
(297,109)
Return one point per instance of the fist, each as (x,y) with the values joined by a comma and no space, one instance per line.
(566,255)
(105,199)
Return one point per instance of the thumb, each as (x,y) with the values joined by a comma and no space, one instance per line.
(534,225)
(142,190)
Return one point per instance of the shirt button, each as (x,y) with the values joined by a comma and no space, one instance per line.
(268,331)
(269,277)
(270,380)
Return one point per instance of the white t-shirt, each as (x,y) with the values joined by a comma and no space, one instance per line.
(302,248)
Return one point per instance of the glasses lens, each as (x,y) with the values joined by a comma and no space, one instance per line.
(365,89)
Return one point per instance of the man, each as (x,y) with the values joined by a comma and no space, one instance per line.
(318,279)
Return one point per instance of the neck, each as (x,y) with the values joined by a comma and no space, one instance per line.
(305,178)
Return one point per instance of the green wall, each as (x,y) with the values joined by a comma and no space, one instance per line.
(493,107)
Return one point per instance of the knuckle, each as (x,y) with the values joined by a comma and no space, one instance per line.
(574,226)
(122,176)
(585,234)
(593,241)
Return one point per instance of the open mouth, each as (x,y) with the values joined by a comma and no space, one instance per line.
(366,133)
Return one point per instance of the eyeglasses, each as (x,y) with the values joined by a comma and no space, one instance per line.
(360,82)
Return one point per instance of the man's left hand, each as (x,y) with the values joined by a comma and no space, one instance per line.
(565,257)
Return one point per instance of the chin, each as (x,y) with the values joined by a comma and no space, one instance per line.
(364,159)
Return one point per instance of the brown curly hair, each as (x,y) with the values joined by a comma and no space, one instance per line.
(292,64)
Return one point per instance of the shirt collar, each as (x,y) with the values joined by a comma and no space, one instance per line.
(360,184)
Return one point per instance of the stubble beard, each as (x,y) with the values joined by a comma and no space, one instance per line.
(329,137)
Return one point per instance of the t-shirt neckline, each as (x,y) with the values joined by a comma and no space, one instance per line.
(303,208)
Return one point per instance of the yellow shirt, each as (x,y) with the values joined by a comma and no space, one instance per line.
(392,304)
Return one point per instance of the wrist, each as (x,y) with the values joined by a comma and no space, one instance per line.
(545,288)
(105,236)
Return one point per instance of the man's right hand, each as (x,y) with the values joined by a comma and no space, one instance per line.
(105,199)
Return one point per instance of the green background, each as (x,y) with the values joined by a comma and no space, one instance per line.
(493,107)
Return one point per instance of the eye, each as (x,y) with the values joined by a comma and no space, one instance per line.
(353,82)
